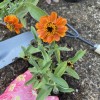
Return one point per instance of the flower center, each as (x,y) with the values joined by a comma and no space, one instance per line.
(10,27)
(51,28)
(69,63)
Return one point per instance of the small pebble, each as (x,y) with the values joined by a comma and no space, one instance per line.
(76,90)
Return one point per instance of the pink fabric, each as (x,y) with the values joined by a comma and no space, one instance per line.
(18,91)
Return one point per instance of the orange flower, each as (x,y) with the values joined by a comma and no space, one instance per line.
(12,23)
(51,28)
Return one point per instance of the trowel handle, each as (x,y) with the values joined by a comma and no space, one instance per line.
(97,48)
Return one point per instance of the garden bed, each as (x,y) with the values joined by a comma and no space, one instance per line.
(84,16)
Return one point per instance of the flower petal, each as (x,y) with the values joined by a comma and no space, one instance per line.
(13,23)
(56,37)
(61,30)
(53,17)
(61,21)
(41,34)
(50,39)
(44,19)
(38,25)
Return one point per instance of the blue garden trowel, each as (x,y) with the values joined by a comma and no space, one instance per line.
(10,48)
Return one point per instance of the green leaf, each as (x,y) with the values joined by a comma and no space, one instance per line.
(43,93)
(77,56)
(40,84)
(23,21)
(44,54)
(65,90)
(40,62)
(60,69)
(33,62)
(35,2)
(35,84)
(33,30)
(31,81)
(2,14)
(65,49)
(72,72)
(4,3)
(61,84)
(46,67)
(28,51)
(23,53)
(21,11)
(33,50)
(57,52)
(34,70)
(59,81)
(35,11)
(12,8)
(50,52)
(47,64)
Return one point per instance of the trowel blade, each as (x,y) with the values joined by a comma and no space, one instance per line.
(10,48)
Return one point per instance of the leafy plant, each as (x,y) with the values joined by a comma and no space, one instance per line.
(47,68)
(47,74)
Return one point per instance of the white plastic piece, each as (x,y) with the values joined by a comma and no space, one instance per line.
(97,48)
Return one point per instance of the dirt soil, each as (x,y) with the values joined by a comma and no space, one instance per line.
(85,17)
